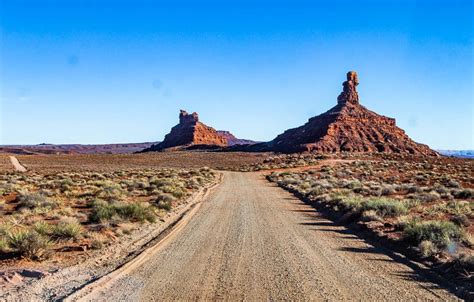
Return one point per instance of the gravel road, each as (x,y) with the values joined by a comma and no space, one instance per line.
(16,164)
(251,240)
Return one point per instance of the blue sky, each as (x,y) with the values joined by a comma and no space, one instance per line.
(119,71)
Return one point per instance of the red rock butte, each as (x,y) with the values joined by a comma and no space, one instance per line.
(347,127)
(188,133)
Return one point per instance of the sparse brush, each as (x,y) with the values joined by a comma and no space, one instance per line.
(165,201)
(136,211)
(440,233)
(370,215)
(428,196)
(64,230)
(4,246)
(101,211)
(110,190)
(42,228)
(427,248)
(36,200)
(384,207)
(464,194)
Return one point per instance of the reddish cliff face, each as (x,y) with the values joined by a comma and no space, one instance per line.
(188,133)
(349,127)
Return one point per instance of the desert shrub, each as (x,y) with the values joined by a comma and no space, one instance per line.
(42,228)
(387,190)
(164,201)
(370,215)
(427,248)
(414,189)
(464,194)
(461,220)
(29,244)
(109,190)
(440,233)
(36,200)
(68,229)
(384,207)
(428,196)
(4,246)
(101,211)
(136,211)
(451,183)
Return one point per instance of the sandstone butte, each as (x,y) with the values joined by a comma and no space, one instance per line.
(190,133)
(347,127)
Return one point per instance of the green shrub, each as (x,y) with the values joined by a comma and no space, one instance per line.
(465,193)
(384,207)
(136,211)
(103,211)
(440,233)
(29,244)
(427,248)
(165,201)
(36,200)
(67,230)
(42,228)
(110,190)
(4,246)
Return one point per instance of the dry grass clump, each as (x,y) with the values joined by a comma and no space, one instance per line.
(43,213)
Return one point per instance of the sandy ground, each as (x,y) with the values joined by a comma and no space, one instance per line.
(16,164)
(251,240)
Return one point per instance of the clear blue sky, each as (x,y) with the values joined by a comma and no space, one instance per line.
(118,71)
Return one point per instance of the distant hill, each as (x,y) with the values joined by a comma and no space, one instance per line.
(458,153)
(75,148)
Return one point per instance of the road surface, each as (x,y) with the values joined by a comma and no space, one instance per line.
(251,240)
(16,164)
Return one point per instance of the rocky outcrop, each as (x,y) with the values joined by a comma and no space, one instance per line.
(189,133)
(349,127)
(232,140)
(349,92)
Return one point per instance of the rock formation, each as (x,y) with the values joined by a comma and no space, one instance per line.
(349,127)
(232,140)
(349,92)
(189,133)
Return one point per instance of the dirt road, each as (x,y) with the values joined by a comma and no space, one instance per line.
(251,240)
(16,164)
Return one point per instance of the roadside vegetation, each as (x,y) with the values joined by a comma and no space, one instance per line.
(284,161)
(44,214)
(426,205)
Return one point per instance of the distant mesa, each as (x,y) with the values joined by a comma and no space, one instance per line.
(347,127)
(232,140)
(191,134)
(74,148)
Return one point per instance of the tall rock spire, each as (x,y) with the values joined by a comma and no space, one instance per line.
(349,92)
